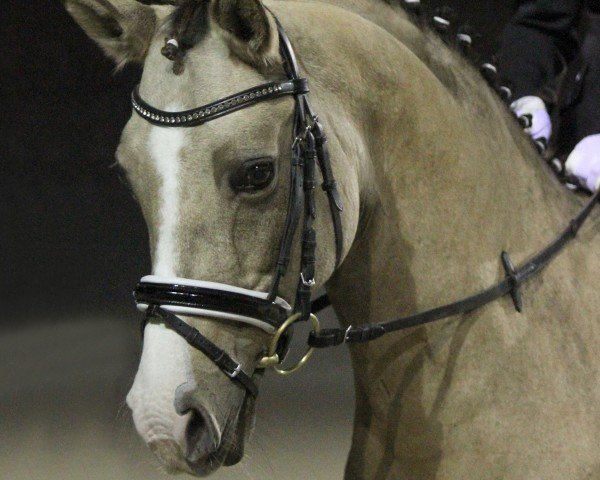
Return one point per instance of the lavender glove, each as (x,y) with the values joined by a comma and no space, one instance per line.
(584,162)
(541,127)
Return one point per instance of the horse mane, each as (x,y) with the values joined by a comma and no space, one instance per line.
(439,52)
(464,81)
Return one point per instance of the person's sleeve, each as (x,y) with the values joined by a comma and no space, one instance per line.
(537,41)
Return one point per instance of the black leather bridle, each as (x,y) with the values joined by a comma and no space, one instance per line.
(164,297)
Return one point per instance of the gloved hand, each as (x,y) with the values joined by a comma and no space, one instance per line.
(584,162)
(533,111)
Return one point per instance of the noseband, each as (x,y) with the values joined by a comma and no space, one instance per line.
(166,297)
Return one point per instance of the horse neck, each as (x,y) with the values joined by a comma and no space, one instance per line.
(437,176)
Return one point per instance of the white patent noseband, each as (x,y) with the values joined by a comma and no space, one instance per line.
(193,297)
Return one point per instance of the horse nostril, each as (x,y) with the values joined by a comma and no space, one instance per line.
(202,433)
(202,436)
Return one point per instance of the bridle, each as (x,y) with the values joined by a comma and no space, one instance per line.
(166,297)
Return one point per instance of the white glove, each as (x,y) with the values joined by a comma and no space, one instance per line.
(584,162)
(534,107)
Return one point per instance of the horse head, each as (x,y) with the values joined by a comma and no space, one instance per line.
(214,199)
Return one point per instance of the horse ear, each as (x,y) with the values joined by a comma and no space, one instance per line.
(122,28)
(250,30)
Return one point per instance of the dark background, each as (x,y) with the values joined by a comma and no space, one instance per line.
(72,237)
(72,246)
(75,240)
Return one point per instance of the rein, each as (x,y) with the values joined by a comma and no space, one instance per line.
(514,278)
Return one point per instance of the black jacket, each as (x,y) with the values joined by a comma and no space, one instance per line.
(540,40)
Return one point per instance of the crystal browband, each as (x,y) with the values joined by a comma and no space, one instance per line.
(200,115)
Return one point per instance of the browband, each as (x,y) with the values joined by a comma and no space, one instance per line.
(224,106)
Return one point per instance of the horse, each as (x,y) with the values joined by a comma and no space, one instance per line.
(436,178)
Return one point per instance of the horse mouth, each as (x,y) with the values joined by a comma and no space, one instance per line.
(230,449)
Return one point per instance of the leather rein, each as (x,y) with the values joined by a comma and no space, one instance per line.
(164,298)
(511,283)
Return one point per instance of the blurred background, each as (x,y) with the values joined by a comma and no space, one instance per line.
(73,244)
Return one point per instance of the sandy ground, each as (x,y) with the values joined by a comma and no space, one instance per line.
(62,411)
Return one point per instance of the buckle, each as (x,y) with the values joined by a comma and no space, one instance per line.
(347,333)
(307,283)
(236,371)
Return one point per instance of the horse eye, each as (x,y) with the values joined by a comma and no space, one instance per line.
(252,176)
